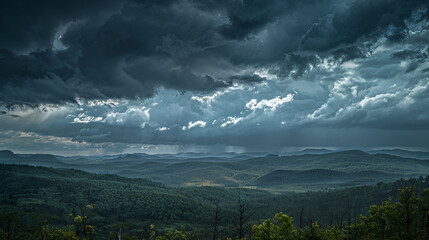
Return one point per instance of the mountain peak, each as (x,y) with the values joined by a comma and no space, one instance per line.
(6,153)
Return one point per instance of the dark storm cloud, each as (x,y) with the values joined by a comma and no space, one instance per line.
(359,20)
(247,78)
(34,78)
(128,49)
(27,25)
(296,65)
(247,17)
(130,55)
(127,55)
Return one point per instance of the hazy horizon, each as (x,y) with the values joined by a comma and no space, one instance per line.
(210,153)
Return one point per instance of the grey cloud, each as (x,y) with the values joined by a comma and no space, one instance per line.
(129,49)
(411,67)
(405,54)
(359,20)
(295,65)
(30,25)
(39,77)
(247,78)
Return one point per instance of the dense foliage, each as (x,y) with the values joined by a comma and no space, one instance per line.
(46,203)
(406,219)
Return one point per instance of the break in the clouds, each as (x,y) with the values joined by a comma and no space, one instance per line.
(262,75)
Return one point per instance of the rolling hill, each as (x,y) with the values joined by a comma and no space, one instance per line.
(334,169)
(320,176)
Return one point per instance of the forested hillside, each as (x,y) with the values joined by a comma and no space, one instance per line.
(275,173)
(30,196)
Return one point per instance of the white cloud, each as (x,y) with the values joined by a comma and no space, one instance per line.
(271,104)
(231,120)
(342,88)
(107,102)
(350,65)
(318,113)
(195,124)
(264,73)
(160,129)
(354,91)
(414,93)
(83,118)
(207,99)
(133,116)
(210,98)
(377,100)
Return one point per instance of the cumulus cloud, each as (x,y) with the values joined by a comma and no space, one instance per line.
(231,121)
(207,99)
(191,124)
(269,104)
(82,118)
(377,100)
(133,116)
(162,129)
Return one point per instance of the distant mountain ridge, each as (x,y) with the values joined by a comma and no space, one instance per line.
(285,177)
(403,153)
(7,156)
(308,151)
(335,168)
(6,153)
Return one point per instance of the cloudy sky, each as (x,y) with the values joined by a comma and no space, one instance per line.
(103,77)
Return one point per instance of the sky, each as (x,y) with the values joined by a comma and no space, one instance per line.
(120,76)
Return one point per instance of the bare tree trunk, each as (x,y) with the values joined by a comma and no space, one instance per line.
(427,225)
(300,215)
(348,219)
(354,220)
(8,229)
(216,221)
(407,214)
(244,217)
(119,234)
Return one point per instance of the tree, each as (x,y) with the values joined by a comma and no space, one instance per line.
(216,219)
(423,203)
(83,229)
(301,213)
(118,230)
(169,235)
(60,234)
(8,222)
(280,228)
(244,216)
(409,210)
